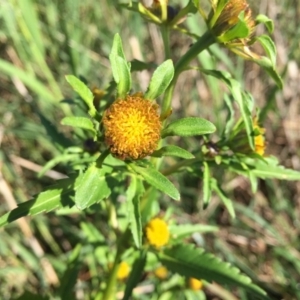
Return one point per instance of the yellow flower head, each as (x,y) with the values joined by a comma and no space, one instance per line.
(132,127)
(259,140)
(123,271)
(195,284)
(161,272)
(157,233)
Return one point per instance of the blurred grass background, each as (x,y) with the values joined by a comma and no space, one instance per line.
(42,41)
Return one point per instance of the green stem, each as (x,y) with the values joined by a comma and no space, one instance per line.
(165,32)
(110,291)
(203,43)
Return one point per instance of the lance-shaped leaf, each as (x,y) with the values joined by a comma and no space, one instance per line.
(120,67)
(80,122)
(188,127)
(227,202)
(133,193)
(121,74)
(189,261)
(269,47)
(268,66)
(117,48)
(93,186)
(84,92)
(56,196)
(262,19)
(173,151)
(158,180)
(230,119)
(269,168)
(160,80)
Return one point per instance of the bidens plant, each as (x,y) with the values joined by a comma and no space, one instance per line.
(130,152)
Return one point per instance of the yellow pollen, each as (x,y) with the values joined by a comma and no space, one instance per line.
(132,127)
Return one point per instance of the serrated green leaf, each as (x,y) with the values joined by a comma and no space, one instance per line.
(133,194)
(206,185)
(54,197)
(189,261)
(184,230)
(84,92)
(227,202)
(92,187)
(173,150)
(262,19)
(159,181)
(135,274)
(160,80)
(80,122)
(188,127)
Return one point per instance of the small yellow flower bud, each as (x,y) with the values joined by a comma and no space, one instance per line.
(123,271)
(195,284)
(157,233)
(161,272)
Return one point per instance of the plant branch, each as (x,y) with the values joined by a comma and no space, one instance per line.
(203,43)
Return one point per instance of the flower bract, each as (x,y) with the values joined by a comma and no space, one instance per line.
(234,26)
